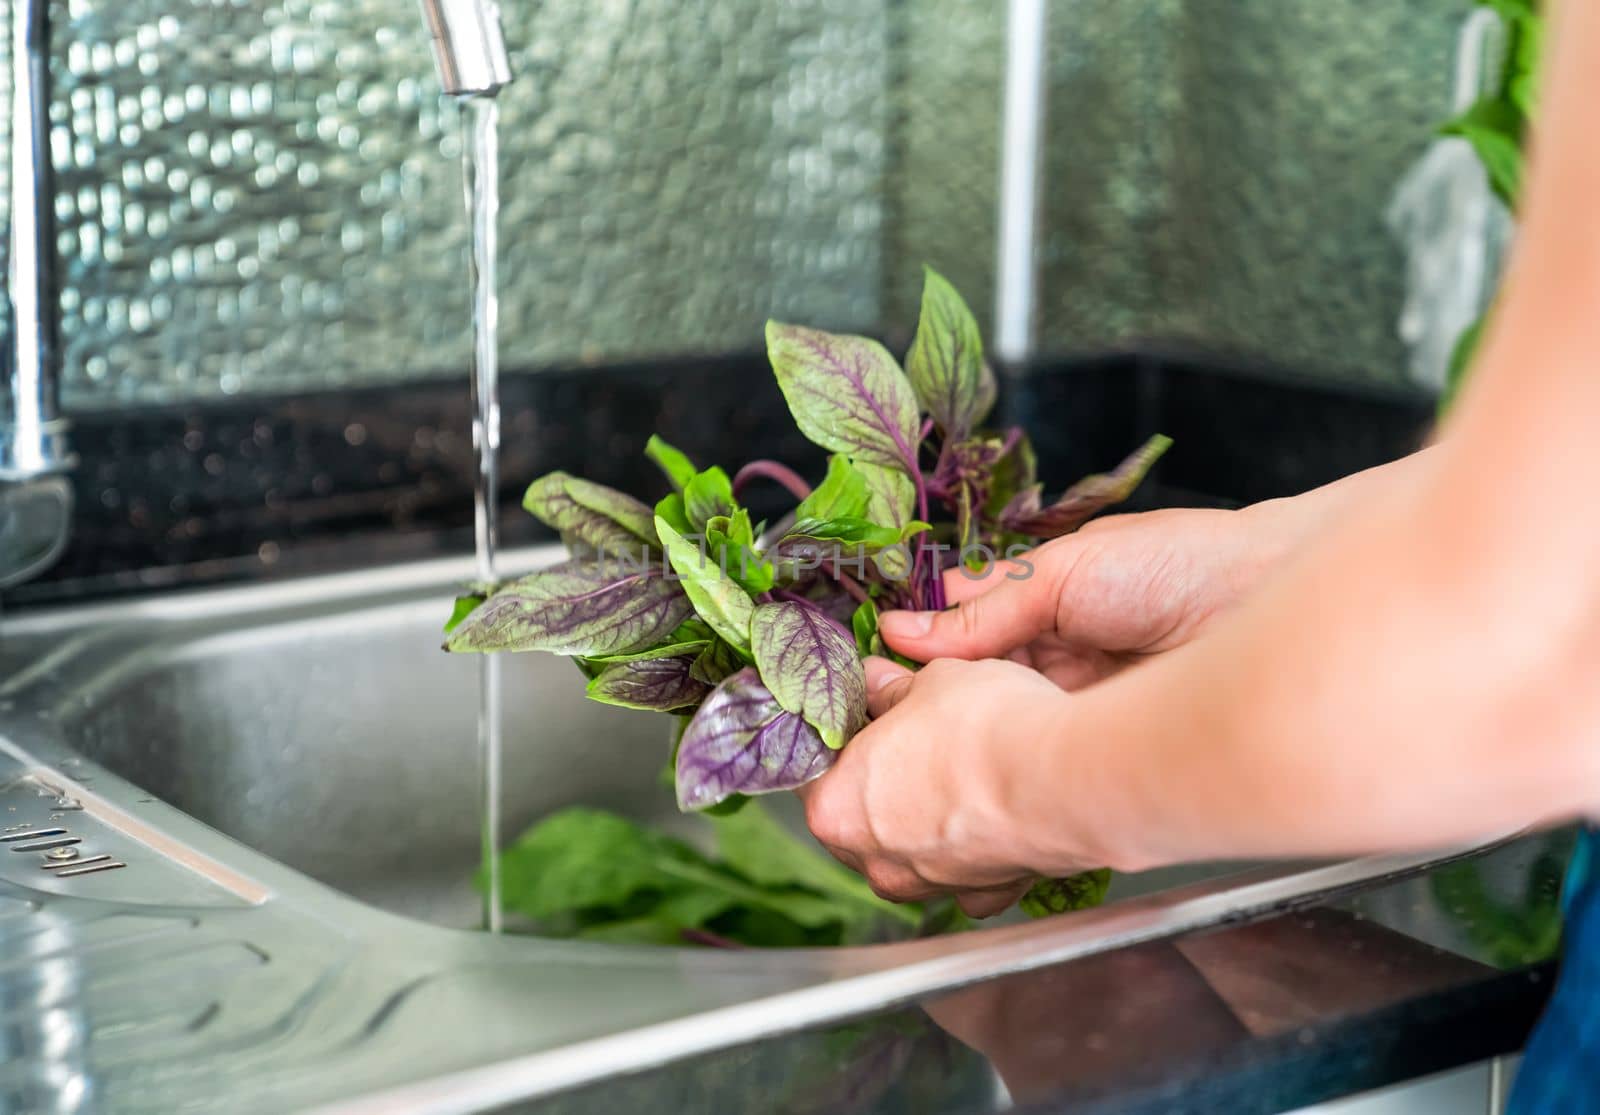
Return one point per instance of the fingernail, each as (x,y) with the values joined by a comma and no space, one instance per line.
(906,625)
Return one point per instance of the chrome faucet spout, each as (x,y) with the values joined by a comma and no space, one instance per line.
(468,46)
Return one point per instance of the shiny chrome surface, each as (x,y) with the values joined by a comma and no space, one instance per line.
(287,772)
(35,504)
(469,48)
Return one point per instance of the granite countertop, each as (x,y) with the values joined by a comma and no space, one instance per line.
(1350,993)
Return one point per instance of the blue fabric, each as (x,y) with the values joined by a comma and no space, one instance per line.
(1561,1068)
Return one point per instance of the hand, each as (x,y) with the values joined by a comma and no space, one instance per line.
(921,801)
(1081,607)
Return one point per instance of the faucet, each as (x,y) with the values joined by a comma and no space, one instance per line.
(36,496)
(468,47)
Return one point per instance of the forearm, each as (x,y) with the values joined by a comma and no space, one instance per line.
(1423,672)
(1362,703)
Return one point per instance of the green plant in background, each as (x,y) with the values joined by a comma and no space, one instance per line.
(1497,127)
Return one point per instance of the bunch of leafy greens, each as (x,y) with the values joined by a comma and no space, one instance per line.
(754,636)
(1497,126)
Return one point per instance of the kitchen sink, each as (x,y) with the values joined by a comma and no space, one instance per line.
(289,773)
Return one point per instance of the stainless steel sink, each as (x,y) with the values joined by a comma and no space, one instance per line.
(238,749)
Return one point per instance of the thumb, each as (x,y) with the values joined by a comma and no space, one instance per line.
(887,685)
(1011,614)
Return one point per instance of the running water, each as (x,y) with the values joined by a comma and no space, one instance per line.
(481,158)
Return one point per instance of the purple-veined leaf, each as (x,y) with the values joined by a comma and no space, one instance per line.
(591,515)
(1084,499)
(741,741)
(847,394)
(584,608)
(717,598)
(945,364)
(810,665)
(664,684)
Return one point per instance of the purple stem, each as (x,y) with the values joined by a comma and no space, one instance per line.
(772,470)
(709,939)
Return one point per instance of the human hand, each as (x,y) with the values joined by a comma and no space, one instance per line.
(1081,607)
(924,800)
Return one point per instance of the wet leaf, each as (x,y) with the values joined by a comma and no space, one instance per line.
(811,667)
(582,608)
(742,741)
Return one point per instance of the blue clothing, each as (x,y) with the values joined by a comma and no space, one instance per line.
(1560,1072)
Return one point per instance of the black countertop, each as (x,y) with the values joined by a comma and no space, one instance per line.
(1334,998)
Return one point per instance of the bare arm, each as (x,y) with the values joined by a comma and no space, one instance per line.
(1422,667)
(1431,669)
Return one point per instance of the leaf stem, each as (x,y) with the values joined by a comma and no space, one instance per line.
(779,473)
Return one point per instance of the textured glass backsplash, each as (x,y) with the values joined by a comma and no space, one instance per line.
(264,195)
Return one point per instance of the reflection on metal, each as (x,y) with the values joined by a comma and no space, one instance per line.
(218,976)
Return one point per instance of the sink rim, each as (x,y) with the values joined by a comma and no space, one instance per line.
(809,987)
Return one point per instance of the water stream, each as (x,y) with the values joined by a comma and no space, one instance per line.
(481,159)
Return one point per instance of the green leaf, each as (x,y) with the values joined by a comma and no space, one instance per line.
(719,600)
(465,605)
(1494,128)
(717,661)
(582,858)
(590,609)
(730,542)
(842,494)
(590,514)
(708,495)
(671,508)
(678,468)
(1461,357)
(864,626)
(854,532)
(1014,472)
(1057,896)
(754,844)
(811,667)
(946,365)
(847,394)
(892,497)
(672,648)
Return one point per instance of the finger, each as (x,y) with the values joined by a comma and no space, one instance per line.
(962,584)
(987,903)
(1008,615)
(887,685)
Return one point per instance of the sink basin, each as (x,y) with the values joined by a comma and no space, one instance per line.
(333,735)
(289,775)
